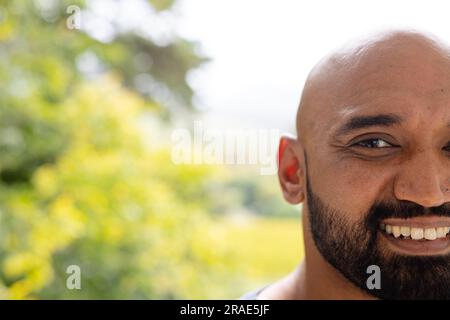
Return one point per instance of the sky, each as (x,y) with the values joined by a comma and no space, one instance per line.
(262,50)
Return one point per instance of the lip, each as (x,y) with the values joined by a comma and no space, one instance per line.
(418,247)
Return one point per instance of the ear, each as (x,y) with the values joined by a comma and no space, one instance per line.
(291,170)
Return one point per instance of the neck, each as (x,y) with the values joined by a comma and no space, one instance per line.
(315,278)
(314,281)
(322,282)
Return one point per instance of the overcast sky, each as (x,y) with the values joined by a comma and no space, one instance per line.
(262,50)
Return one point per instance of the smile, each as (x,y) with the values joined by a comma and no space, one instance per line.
(424,235)
(414,233)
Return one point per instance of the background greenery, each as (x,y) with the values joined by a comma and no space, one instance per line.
(86,176)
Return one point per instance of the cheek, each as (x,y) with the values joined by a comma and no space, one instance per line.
(349,186)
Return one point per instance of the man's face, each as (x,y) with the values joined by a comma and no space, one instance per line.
(351,246)
(378,177)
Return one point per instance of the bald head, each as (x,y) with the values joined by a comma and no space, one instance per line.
(373,151)
(395,60)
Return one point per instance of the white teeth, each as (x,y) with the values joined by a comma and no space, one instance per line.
(405,231)
(416,233)
(388,229)
(441,232)
(430,234)
(396,231)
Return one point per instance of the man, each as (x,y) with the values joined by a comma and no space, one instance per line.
(371,164)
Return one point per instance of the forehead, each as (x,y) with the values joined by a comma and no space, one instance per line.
(423,115)
(404,74)
(418,93)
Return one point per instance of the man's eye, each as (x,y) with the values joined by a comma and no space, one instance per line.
(447,147)
(373,143)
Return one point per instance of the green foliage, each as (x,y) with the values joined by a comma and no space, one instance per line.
(245,190)
(103,205)
(85,181)
(268,247)
(161,4)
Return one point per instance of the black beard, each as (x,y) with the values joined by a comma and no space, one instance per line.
(352,247)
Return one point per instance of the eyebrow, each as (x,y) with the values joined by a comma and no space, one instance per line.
(361,122)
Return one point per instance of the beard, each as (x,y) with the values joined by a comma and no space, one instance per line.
(351,247)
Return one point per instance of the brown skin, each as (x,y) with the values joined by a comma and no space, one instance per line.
(402,73)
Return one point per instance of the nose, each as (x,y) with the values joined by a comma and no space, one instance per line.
(423,179)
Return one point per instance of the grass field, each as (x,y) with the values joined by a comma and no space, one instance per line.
(267,248)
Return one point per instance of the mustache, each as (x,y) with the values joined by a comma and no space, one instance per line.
(403,209)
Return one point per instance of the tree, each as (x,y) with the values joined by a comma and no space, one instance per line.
(81,180)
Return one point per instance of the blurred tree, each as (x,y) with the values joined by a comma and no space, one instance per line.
(81,181)
(42,60)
